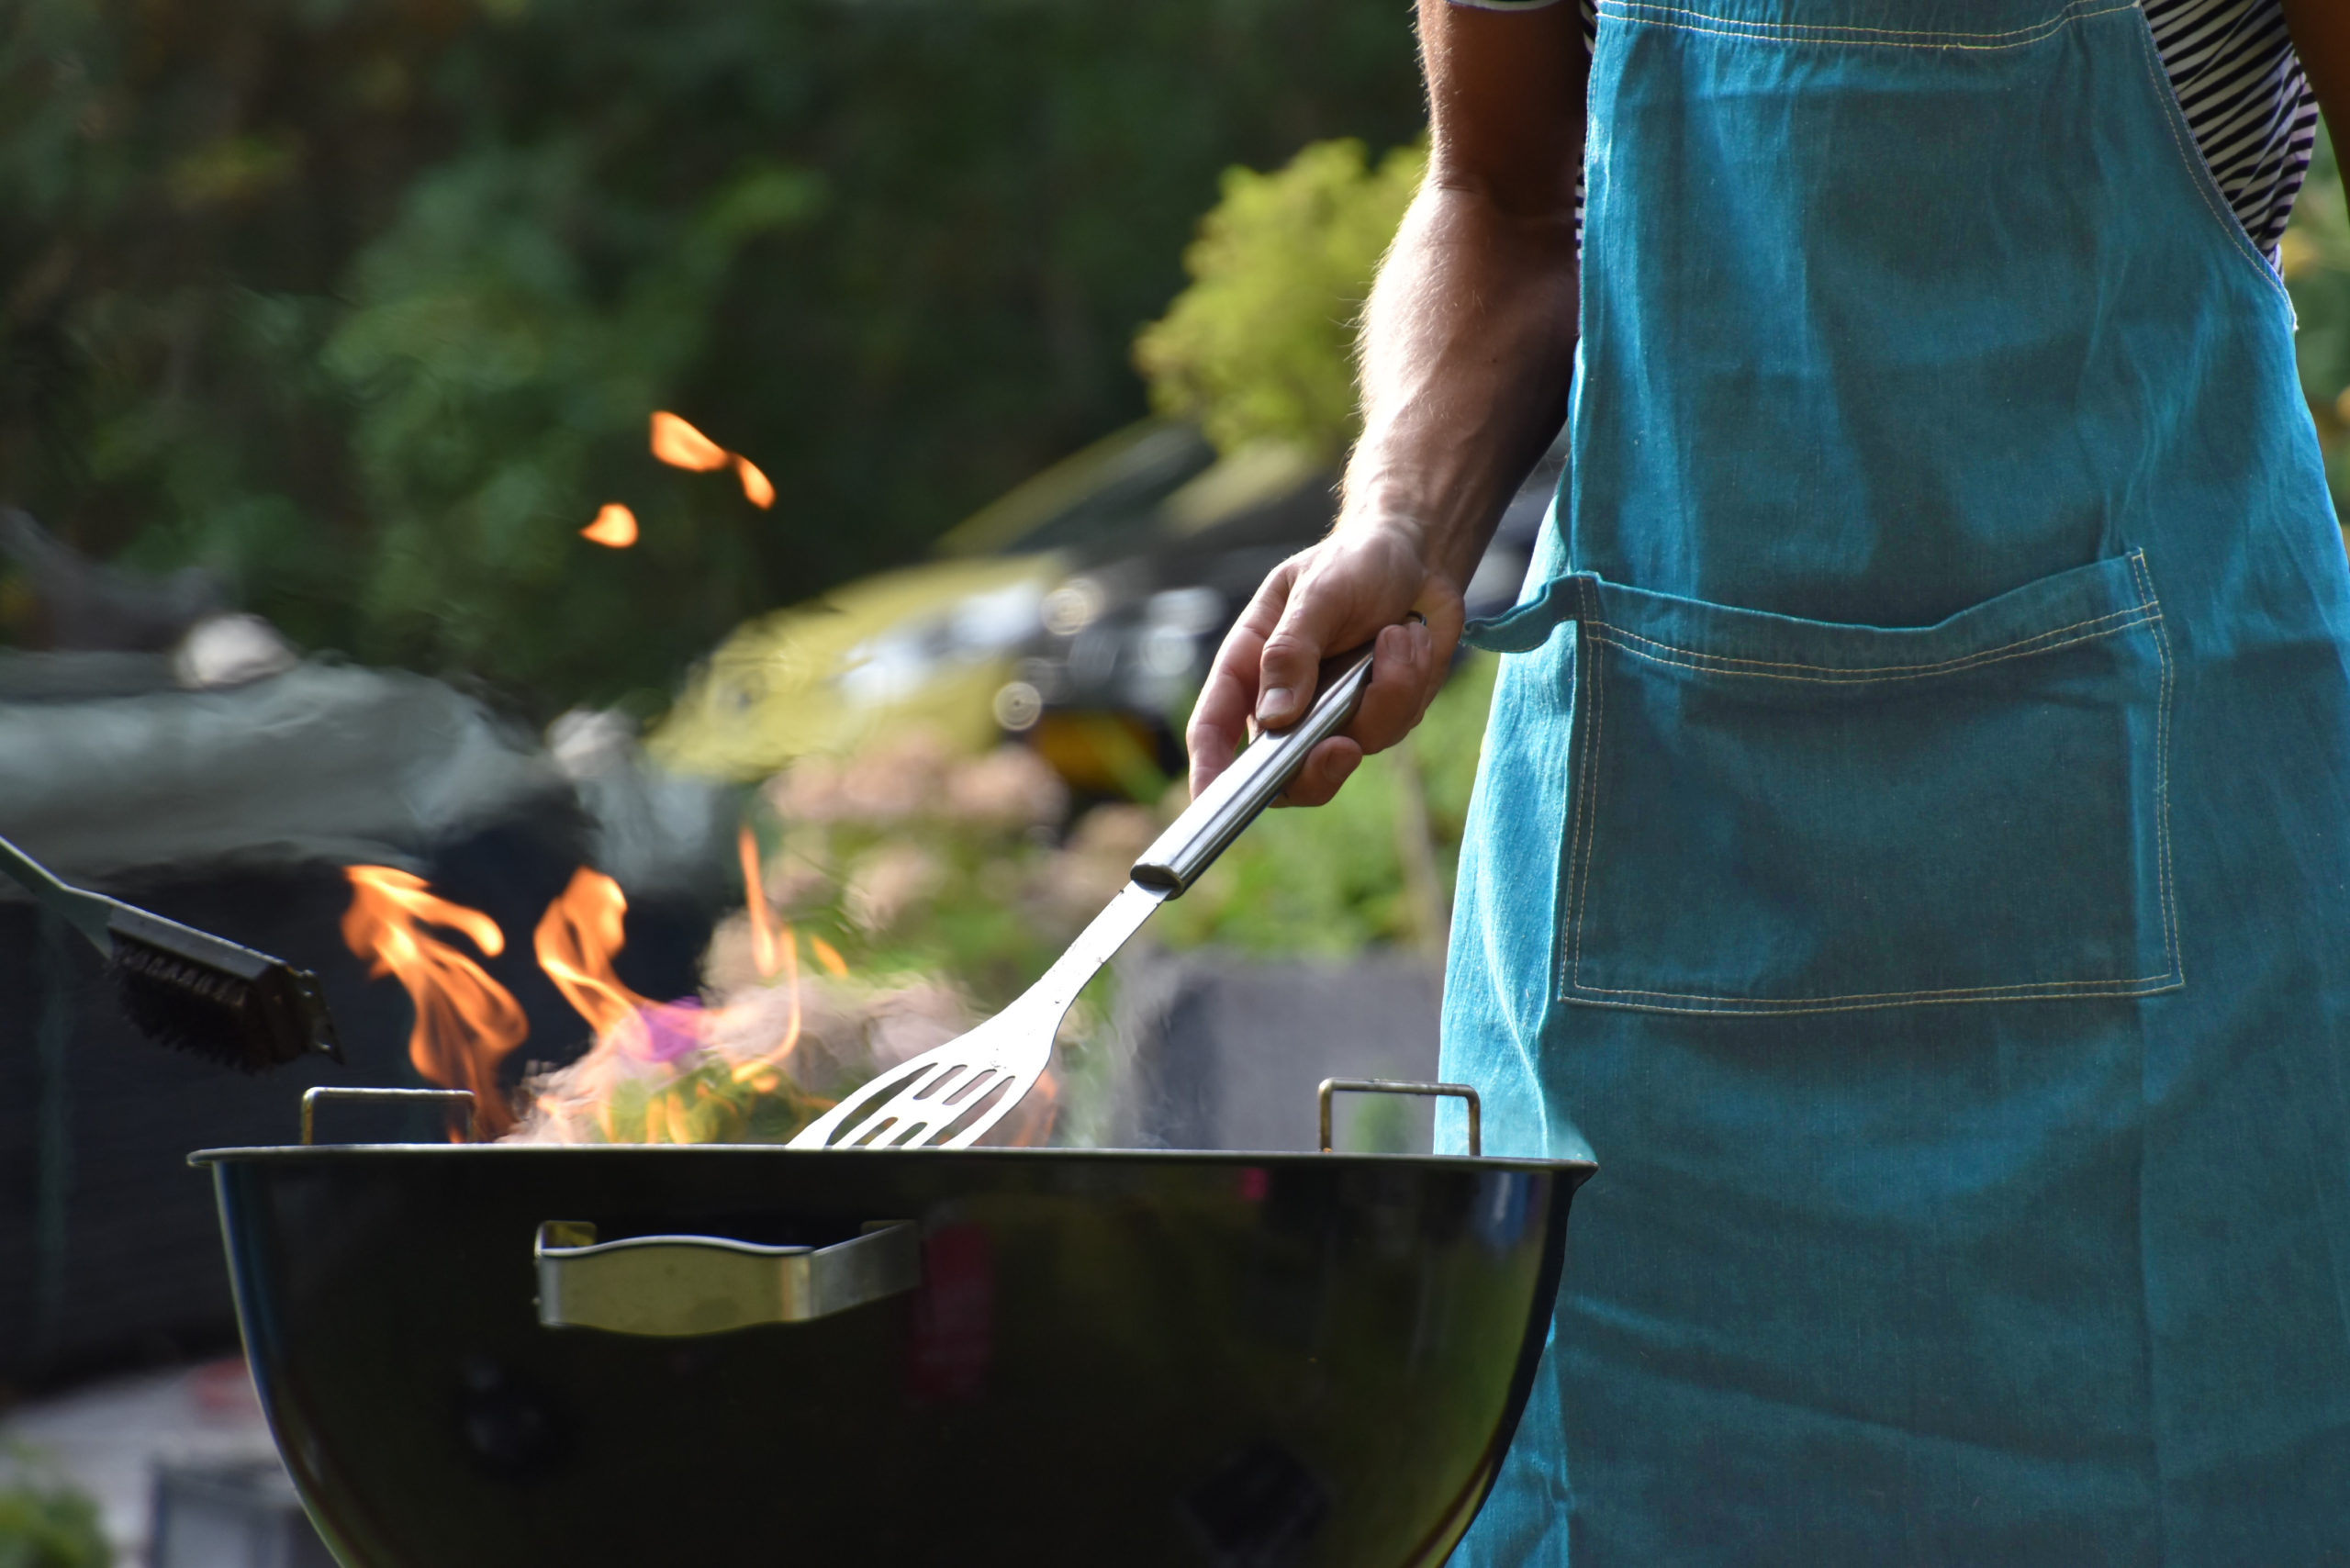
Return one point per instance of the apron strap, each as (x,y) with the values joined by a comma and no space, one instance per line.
(1527,627)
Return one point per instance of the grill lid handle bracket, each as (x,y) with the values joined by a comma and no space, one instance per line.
(682,1286)
(1331,1086)
(452,1098)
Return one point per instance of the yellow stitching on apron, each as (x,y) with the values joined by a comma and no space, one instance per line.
(1859,677)
(2162,778)
(2069,15)
(1775,1003)
(2149,609)
(1786,1004)
(1587,803)
(2054,992)
(1640,13)
(1887,671)
(2198,171)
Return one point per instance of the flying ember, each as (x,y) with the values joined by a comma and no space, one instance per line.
(756,489)
(680,445)
(615,526)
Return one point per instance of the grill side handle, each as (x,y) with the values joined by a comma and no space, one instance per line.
(682,1286)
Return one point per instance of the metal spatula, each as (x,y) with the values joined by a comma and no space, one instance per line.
(947,1098)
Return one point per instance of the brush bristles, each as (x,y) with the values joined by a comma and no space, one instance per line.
(187,1006)
(243,1010)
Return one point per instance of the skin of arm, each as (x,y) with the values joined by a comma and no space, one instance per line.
(2321,30)
(1467,357)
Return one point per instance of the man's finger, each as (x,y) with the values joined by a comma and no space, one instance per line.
(1219,719)
(1290,667)
(1446,620)
(1325,768)
(1401,676)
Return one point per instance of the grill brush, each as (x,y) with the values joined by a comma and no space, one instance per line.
(187,989)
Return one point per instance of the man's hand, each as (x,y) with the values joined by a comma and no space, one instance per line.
(1344,592)
(1468,348)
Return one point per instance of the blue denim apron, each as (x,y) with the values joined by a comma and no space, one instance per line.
(1912,850)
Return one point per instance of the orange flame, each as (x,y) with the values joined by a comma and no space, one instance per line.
(757,489)
(575,943)
(661,1072)
(759,1071)
(1032,1123)
(755,900)
(615,525)
(465,1022)
(680,445)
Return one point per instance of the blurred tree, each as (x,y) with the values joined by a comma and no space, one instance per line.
(365,303)
(2316,260)
(1261,346)
(496,383)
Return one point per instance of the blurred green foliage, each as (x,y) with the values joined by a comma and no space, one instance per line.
(365,303)
(1261,346)
(2316,257)
(46,1523)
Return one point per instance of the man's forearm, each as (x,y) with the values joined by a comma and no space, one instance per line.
(1468,352)
(1467,346)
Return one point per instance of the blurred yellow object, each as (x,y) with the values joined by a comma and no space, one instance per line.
(1250,476)
(1151,454)
(928,646)
(935,646)
(1108,753)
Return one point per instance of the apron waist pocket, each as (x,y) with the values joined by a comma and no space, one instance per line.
(1777,815)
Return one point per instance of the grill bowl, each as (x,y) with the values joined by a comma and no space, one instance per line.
(1110,1357)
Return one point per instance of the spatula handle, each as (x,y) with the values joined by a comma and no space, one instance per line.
(1255,780)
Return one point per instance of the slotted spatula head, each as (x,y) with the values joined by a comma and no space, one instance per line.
(949,1097)
(942,1098)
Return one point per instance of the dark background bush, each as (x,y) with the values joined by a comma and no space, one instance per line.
(365,303)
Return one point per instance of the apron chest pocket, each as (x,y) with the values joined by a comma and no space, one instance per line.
(1777,815)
